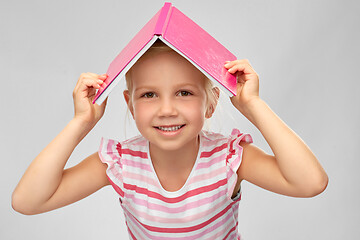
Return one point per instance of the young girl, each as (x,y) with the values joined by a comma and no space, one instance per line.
(175,181)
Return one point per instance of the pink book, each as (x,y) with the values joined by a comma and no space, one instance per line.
(185,37)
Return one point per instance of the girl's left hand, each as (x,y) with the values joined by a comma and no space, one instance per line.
(247,83)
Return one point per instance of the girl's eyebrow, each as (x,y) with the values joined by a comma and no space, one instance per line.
(184,85)
(142,88)
(176,86)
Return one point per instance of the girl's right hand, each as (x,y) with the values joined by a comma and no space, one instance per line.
(83,95)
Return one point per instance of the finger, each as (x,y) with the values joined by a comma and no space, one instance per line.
(87,86)
(89,80)
(95,77)
(103,76)
(244,67)
(229,64)
(94,83)
(90,74)
(101,108)
(237,61)
(103,104)
(91,93)
(84,76)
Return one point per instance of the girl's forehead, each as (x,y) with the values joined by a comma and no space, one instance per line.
(161,60)
(165,66)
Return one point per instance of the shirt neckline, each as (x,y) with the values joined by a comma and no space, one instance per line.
(177,192)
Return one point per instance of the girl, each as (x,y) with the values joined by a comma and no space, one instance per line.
(175,181)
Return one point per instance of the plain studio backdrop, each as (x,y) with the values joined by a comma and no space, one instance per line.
(305,52)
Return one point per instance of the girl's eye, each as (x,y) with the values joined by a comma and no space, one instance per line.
(149,95)
(184,93)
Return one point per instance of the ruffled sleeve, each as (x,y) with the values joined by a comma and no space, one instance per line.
(110,153)
(234,158)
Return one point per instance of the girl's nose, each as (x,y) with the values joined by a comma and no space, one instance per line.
(167,108)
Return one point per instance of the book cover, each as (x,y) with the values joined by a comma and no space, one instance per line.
(185,37)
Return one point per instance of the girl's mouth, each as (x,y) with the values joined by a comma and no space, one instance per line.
(170,128)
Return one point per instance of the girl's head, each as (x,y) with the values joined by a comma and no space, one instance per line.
(168,97)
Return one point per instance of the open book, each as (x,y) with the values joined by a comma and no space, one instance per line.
(185,37)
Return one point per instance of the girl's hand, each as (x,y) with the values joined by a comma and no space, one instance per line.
(83,95)
(247,85)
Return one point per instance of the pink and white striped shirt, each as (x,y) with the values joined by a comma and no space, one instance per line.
(201,209)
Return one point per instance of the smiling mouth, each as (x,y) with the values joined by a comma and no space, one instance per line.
(170,128)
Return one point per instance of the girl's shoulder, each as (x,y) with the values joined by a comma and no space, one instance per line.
(236,135)
(225,152)
(216,144)
(111,150)
(111,144)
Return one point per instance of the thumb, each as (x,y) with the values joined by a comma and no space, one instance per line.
(100,107)
(104,102)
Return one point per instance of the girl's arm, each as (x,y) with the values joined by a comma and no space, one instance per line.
(293,170)
(46,185)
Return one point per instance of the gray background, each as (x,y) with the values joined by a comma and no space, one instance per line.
(307,56)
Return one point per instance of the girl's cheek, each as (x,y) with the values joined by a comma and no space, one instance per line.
(143,108)
(194,108)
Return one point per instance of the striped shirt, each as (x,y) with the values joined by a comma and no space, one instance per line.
(202,209)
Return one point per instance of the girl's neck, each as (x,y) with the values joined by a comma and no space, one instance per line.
(175,160)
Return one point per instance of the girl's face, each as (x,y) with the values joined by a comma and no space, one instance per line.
(167,100)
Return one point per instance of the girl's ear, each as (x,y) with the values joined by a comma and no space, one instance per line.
(128,101)
(212,104)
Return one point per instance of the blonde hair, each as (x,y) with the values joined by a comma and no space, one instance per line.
(212,93)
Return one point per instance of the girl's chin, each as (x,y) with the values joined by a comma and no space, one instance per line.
(173,144)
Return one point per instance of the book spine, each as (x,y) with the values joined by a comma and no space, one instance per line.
(163,19)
